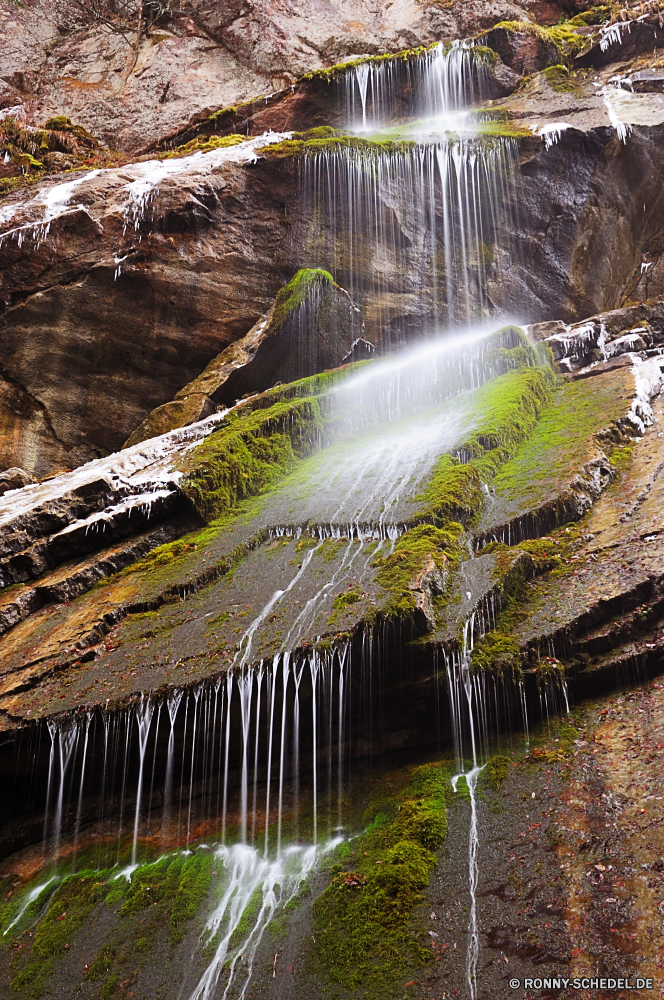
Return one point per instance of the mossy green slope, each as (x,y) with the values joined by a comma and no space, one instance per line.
(165,895)
(363,921)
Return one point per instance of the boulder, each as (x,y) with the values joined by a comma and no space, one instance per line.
(14,479)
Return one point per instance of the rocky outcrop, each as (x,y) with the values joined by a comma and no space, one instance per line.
(118,295)
(583,347)
(13,479)
(165,262)
(313,325)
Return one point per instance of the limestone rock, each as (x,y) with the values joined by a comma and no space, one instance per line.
(633,329)
(523,51)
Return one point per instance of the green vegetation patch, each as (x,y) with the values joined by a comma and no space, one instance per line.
(509,408)
(413,551)
(72,903)
(331,73)
(562,441)
(363,921)
(204,144)
(495,772)
(562,80)
(338,144)
(249,455)
(562,38)
(597,15)
(193,887)
(102,963)
(342,602)
(504,129)
(497,653)
(150,884)
(297,291)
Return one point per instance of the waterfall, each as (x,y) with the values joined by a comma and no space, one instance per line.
(466,682)
(440,85)
(263,724)
(428,219)
(143,719)
(415,220)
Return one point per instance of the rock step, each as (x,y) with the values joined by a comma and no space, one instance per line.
(75,578)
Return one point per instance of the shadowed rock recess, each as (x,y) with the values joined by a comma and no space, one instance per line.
(331,505)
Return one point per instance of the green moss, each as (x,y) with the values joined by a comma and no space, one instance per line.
(337,144)
(203,144)
(423,823)
(561,37)
(454,491)
(562,441)
(597,15)
(107,991)
(319,132)
(365,934)
(412,552)
(504,129)
(548,669)
(509,409)
(193,887)
(150,884)
(249,455)
(28,161)
(563,80)
(497,653)
(102,963)
(332,73)
(58,123)
(70,906)
(232,109)
(495,772)
(543,554)
(247,920)
(342,601)
(296,292)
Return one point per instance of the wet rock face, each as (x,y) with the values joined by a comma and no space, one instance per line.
(104,324)
(524,52)
(108,318)
(312,326)
(583,243)
(13,479)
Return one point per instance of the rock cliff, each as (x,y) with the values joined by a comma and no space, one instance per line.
(331,371)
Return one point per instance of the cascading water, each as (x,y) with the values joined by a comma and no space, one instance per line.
(259,759)
(462,685)
(412,215)
(474,716)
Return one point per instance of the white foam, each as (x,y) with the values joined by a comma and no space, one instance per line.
(550,133)
(613,97)
(150,174)
(144,467)
(649,381)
